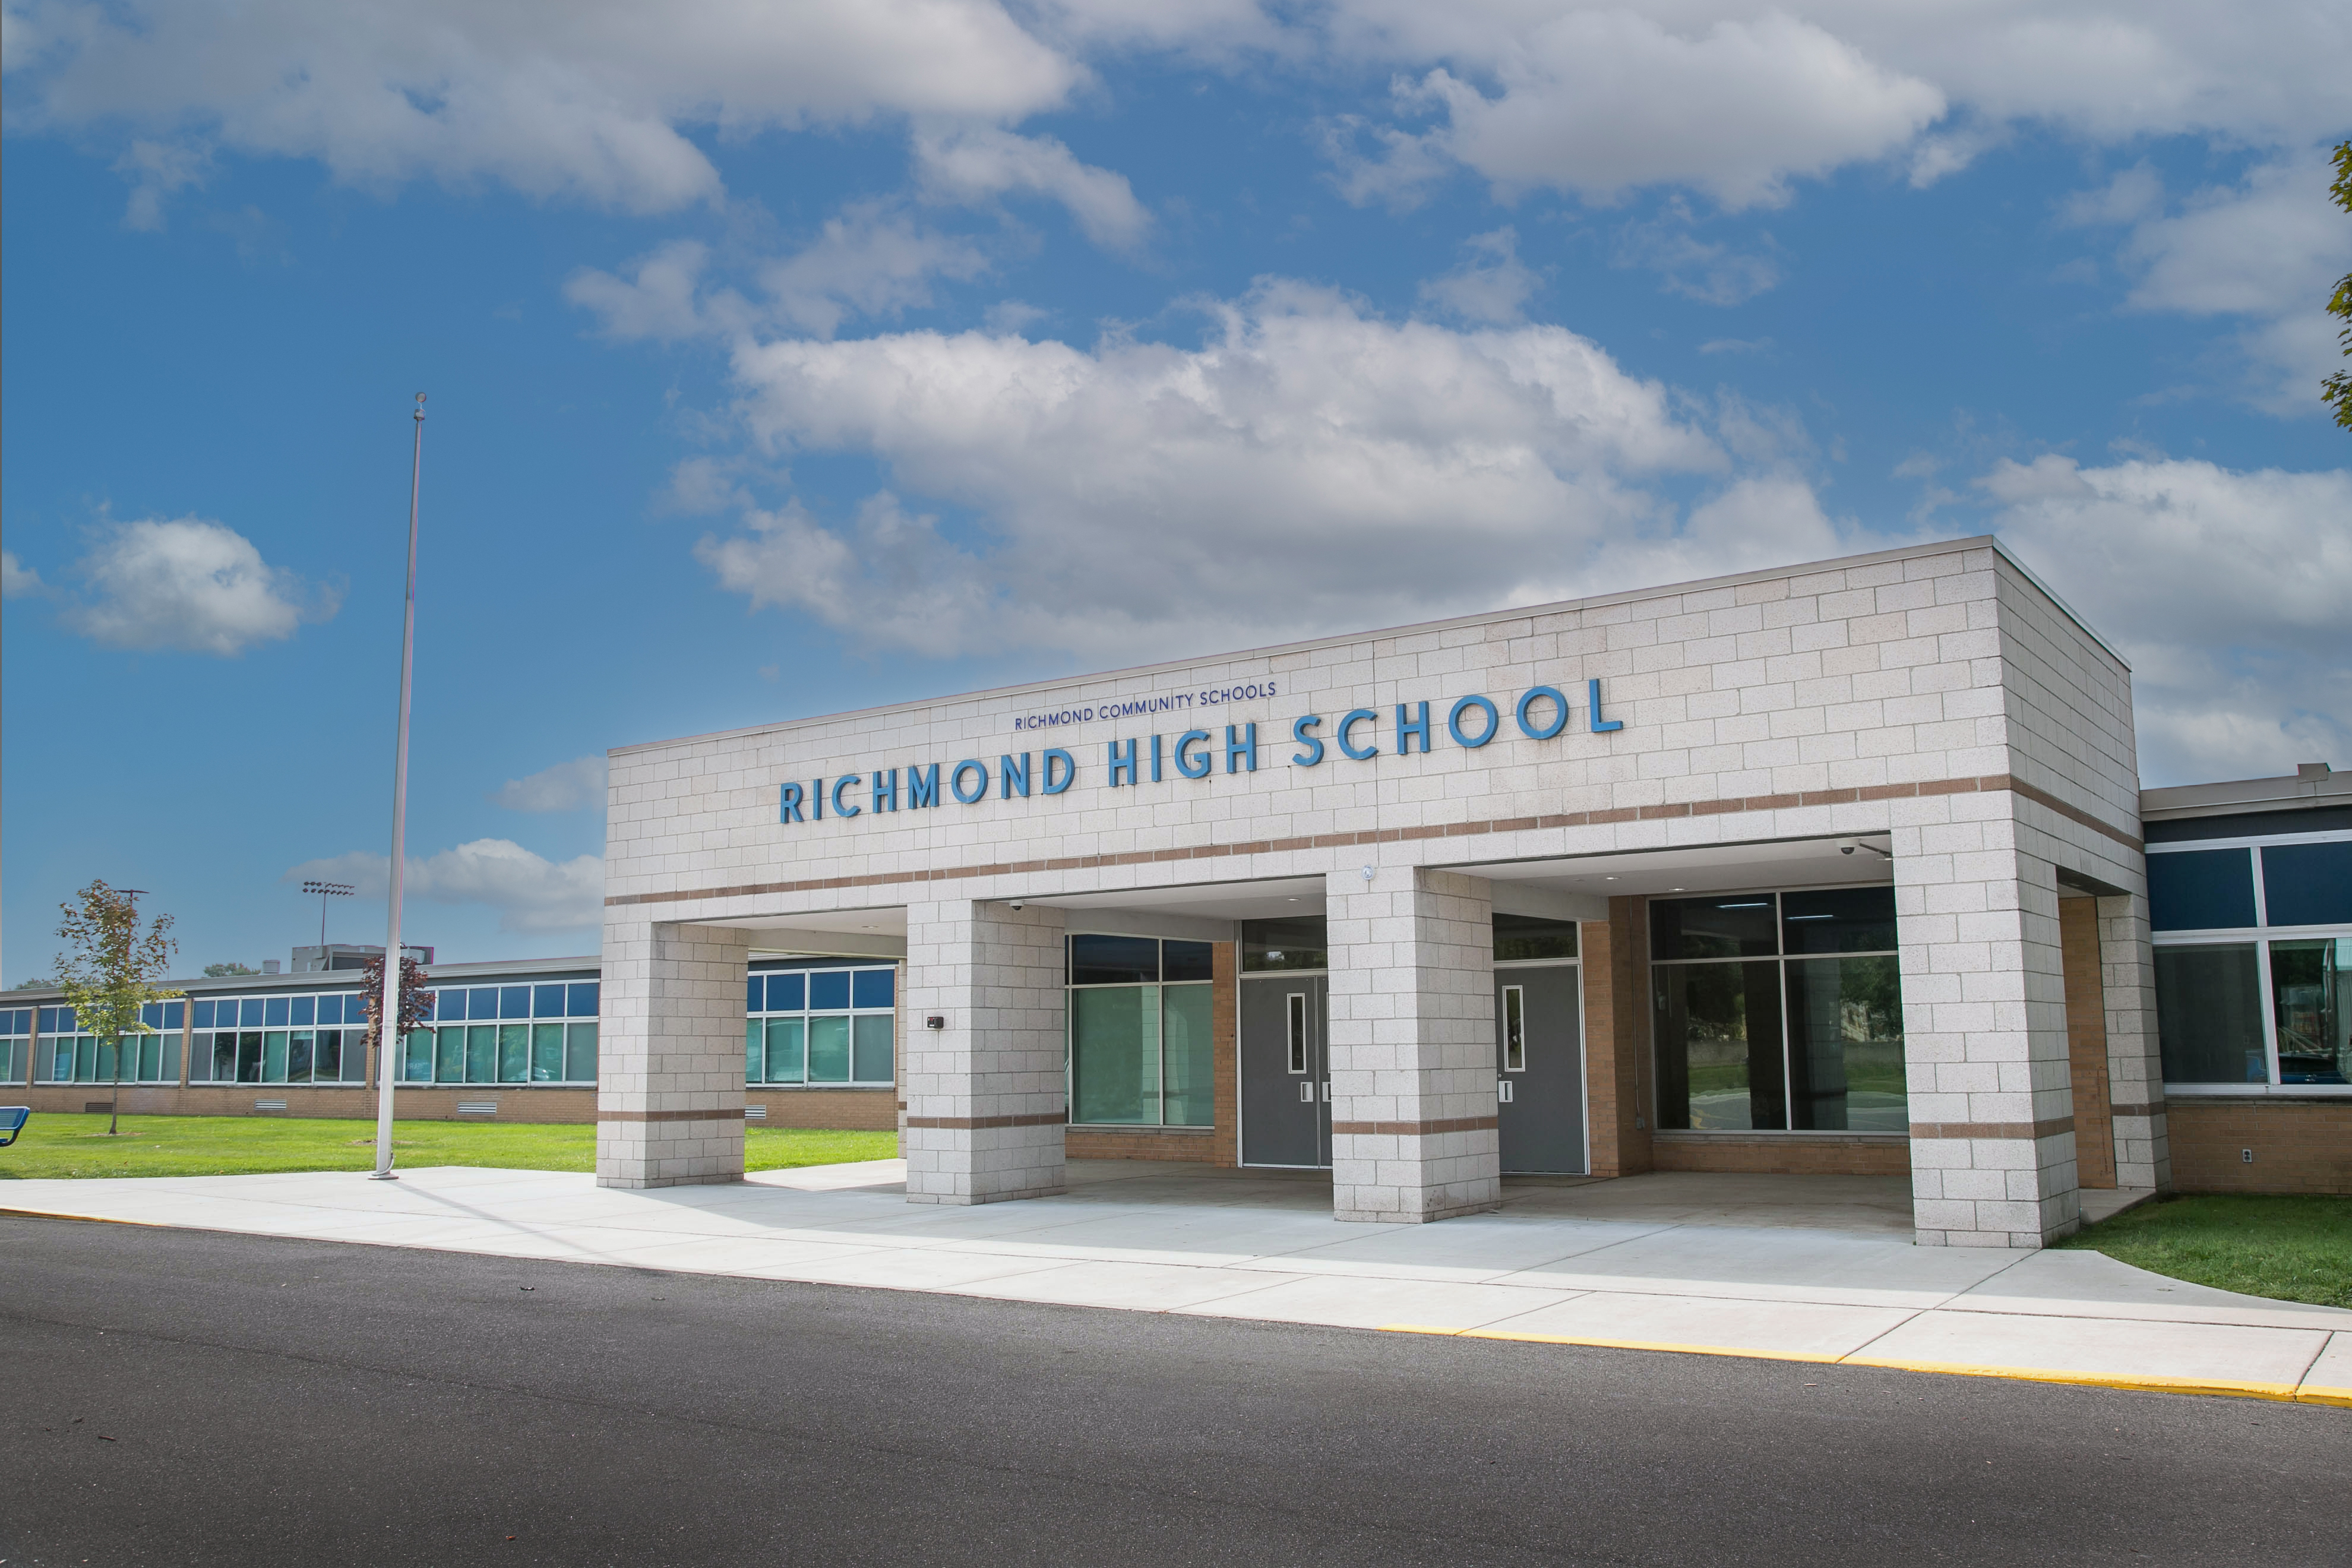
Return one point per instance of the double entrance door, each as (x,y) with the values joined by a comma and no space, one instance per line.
(1286,1071)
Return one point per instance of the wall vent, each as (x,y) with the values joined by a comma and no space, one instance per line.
(269,1105)
(755,1114)
(477,1107)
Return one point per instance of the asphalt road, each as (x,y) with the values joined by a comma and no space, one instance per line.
(188,1398)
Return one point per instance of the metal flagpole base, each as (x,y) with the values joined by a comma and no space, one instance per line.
(382,1176)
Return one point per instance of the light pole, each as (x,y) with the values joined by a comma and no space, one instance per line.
(114,1106)
(387,1031)
(326,890)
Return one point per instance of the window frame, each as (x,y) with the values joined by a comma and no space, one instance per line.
(807,1013)
(1160,987)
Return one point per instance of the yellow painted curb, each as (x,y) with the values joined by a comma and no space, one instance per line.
(87,1219)
(2307,1393)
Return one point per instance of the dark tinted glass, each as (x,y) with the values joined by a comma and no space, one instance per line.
(1838,919)
(248,1013)
(1736,927)
(546,1001)
(514,1002)
(1717,1028)
(1527,936)
(871,988)
(787,992)
(1114,960)
(306,1010)
(2303,884)
(171,1015)
(204,1014)
(2201,890)
(1187,960)
(583,999)
(331,1009)
(451,1006)
(274,1011)
(2208,1012)
(829,990)
(1297,944)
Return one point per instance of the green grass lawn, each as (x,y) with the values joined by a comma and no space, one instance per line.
(2288,1249)
(70,1146)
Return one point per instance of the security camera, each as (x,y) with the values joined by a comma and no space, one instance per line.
(1845,849)
(1012,904)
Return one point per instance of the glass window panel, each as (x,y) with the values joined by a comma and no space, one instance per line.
(828,990)
(1527,936)
(218,1062)
(546,1001)
(828,1050)
(167,1061)
(546,1053)
(514,1002)
(580,1052)
(327,1056)
(204,1014)
(787,1044)
(1838,919)
(1717,1027)
(331,1009)
(514,1053)
(482,1052)
(297,1056)
(1515,1028)
(1187,961)
(65,1022)
(418,1057)
(755,993)
(248,1013)
(1845,1055)
(2201,890)
(2306,884)
(60,1060)
(583,998)
(871,988)
(482,1003)
(2208,1012)
(449,1059)
(1187,1056)
(2311,999)
(1115,1055)
(872,1043)
(1296,944)
(452,1008)
(306,1012)
(1114,960)
(175,1014)
(1739,926)
(102,1070)
(755,1051)
(152,1015)
(274,1011)
(787,992)
(273,1057)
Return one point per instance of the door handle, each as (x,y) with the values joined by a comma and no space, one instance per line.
(1503,1090)
(1326,1091)
(1307,1093)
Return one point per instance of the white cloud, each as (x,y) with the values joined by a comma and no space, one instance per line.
(566,787)
(1708,271)
(1306,467)
(1492,285)
(18,580)
(531,893)
(588,99)
(2225,589)
(976,166)
(191,584)
(157,170)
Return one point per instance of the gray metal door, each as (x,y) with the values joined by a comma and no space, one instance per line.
(1539,1069)
(1286,1071)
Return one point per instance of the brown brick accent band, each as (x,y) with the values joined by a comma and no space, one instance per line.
(1986,785)
(966,1123)
(734,1115)
(1411,1129)
(2050,1129)
(2136,1110)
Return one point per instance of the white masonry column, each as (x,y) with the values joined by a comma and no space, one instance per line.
(2134,1060)
(669,1054)
(986,1097)
(1412,1045)
(1984,1016)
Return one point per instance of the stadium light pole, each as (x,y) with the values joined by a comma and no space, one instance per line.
(387,1029)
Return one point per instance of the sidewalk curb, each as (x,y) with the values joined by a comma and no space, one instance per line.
(2284,1393)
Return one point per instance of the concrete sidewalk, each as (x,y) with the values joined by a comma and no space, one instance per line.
(1806,1270)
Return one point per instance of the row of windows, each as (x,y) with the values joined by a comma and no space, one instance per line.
(2224,889)
(820,991)
(279,1056)
(820,1027)
(502,1053)
(2215,1029)
(85,1058)
(1300,942)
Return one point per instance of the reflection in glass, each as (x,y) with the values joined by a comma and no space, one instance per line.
(327,1058)
(1186,1072)
(514,1053)
(1297,944)
(787,1050)
(2311,998)
(828,1050)
(546,1053)
(1838,919)
(248,1056)
(2208,1013)
(1741,926)
(1115,1054)
(1718,1034)
(1527,936)
(482,1052)
(871,1046)
(297,1057)
(580,1052)
(1845,1060)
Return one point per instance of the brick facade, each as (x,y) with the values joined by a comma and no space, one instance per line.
(2299,1145)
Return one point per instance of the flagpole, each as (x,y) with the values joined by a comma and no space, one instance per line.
(390,1043)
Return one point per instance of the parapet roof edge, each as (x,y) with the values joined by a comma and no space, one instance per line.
(1483,618)
(2031,575)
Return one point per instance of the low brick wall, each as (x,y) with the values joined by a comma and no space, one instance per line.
(1832,1154)
(1207,1146)
(2300,1145)
(857,1110)
(863,1109)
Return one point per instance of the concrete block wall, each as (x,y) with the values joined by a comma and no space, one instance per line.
(985,1095)
(670,1081)
(1412,1045)
(2135,1103)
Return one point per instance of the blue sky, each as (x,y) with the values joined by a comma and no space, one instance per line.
(794,358)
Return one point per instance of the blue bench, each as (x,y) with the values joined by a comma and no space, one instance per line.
(12,1121)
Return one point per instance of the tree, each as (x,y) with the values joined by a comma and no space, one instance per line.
(108,975)
(2336,390)
(415,1006)
(222,971)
